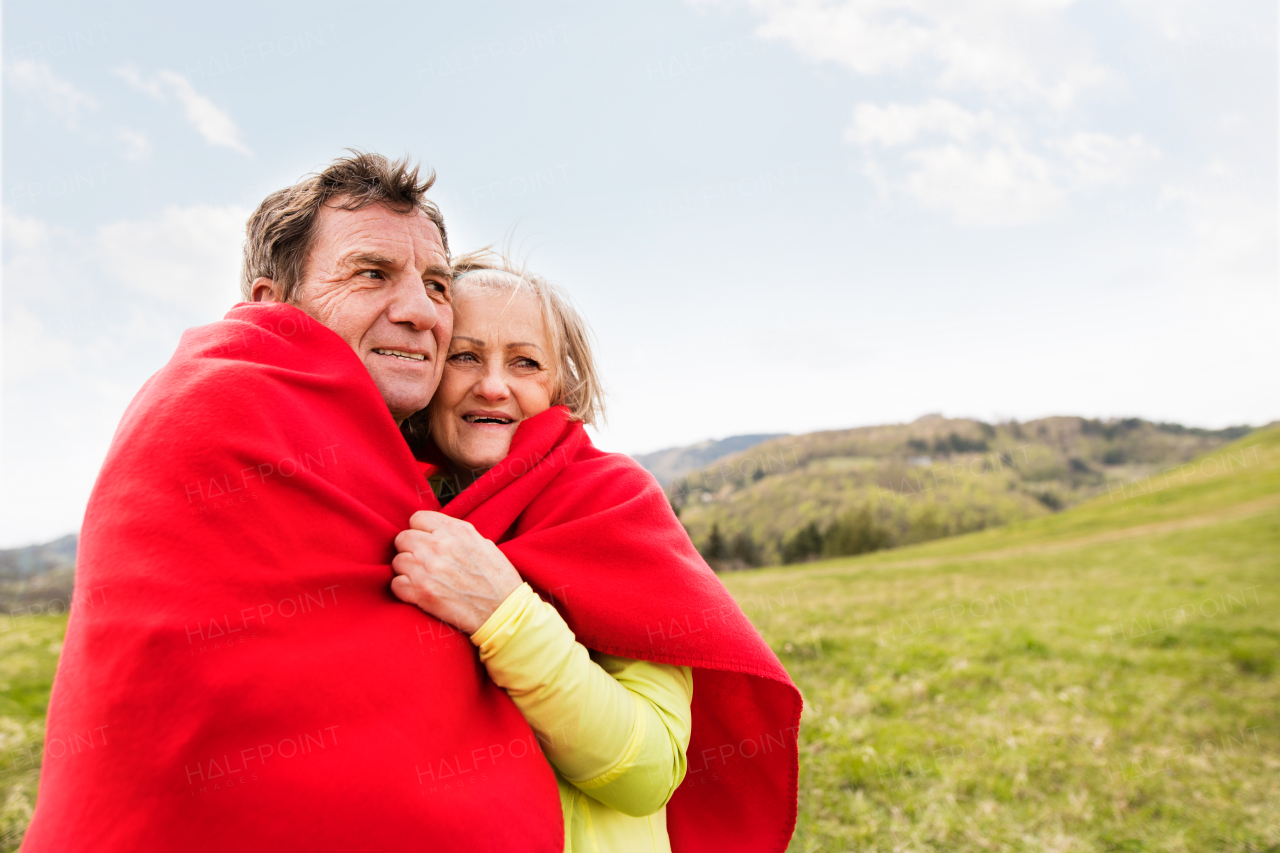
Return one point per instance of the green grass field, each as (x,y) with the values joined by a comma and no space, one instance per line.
(29,649)
(1101,679)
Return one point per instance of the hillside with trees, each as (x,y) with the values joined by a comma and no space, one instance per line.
(673,463)
(36,575)
(843,492)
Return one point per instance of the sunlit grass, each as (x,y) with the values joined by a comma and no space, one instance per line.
(1102,680)
(29,647)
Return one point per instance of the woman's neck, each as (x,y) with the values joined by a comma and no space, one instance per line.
(463,476)
(449,481)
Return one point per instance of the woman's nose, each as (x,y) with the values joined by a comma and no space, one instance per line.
(493,385)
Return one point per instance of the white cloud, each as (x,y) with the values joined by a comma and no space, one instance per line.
(30,349)
(1096,159)
(1017,50)
(212,123)
(1232,233)
(178,269)
(40,266)
(39,259)
(1211,28)
(38,80)
(24,234)
(899,124)
(77,344)
(998,139)
(137,145)
(983,168)
(135,79)
(1013,155)
(985,188)
(188,257)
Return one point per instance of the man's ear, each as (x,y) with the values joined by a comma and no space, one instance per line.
(264,290)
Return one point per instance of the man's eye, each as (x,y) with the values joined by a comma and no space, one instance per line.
(374,274)
(436,286)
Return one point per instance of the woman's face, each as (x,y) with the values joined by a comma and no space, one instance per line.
(499,371)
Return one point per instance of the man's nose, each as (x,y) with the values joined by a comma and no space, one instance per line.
(412,305)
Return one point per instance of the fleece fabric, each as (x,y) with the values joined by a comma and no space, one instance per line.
(236,674)
(594,533)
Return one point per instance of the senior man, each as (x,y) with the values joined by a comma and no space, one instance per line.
(248,681)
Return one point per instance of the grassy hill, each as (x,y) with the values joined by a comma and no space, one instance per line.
(1102,679)
(844,492)
(22,563)
(29,650)
(38,576)
(675,462)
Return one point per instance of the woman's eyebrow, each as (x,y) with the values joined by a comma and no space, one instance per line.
(481,343)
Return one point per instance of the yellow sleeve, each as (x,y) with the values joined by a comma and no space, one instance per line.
(616,728)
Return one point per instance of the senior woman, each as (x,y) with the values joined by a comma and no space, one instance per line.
(669,723)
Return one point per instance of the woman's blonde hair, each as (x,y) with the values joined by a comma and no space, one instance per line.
(577,380)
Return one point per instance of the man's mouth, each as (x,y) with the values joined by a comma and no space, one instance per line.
(487,419)
(399,353)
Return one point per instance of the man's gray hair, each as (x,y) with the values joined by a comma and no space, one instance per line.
(283,228)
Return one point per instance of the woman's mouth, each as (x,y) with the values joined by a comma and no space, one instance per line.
(495,420)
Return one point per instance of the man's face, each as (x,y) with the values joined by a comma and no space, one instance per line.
(381,281)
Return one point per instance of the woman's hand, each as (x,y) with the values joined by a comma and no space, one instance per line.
(451,571)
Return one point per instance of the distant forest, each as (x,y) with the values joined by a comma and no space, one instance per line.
(827,494)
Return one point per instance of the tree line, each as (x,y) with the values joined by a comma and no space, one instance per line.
(857,532)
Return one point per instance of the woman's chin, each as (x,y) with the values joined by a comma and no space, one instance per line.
(480,460)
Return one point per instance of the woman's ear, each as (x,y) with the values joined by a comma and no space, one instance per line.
(264,290)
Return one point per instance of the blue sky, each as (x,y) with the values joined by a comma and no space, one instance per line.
(777,216)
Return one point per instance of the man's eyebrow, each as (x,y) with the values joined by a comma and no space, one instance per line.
(372,259)
(375,259)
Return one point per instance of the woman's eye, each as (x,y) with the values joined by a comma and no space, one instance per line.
(528,364)
(464,358)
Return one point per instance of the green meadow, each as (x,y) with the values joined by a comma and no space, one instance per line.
(1101,679)
(29,649)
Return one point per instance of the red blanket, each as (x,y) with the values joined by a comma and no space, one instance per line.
(594,533)
(236,674)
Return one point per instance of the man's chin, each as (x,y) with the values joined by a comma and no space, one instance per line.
(404,404)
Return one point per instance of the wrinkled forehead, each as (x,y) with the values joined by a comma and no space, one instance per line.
(500,287)
(499,305)
(339,231)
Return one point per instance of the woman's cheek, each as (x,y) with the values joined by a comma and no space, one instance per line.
(536,396)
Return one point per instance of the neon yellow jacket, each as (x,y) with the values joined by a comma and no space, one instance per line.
(615,730)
